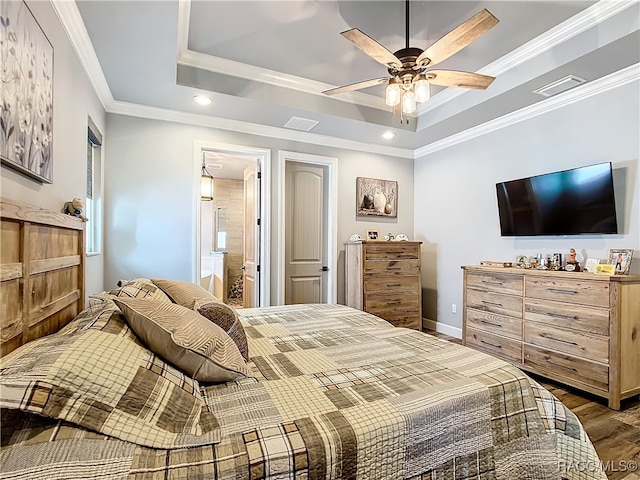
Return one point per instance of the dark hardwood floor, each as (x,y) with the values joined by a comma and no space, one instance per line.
(615,434)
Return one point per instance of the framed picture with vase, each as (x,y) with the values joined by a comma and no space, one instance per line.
(376,197)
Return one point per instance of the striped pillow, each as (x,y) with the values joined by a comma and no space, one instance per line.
(186,294)
(185,338)
(225,317)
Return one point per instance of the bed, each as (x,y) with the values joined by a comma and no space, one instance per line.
(327,392)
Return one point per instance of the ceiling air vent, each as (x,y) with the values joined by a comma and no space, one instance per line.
(559,86)
(303,124)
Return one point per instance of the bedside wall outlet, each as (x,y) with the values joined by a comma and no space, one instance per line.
(454,308)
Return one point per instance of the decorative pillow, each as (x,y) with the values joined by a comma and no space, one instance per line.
(185,338)
(186,294)
(101,379)
(140,288)
(226,318)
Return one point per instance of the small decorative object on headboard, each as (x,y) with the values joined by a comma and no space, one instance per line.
(74,207)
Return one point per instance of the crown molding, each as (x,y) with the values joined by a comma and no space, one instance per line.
(588,18)
(255,73)
(69,15)
(156,113)
(596,87)
(73,25)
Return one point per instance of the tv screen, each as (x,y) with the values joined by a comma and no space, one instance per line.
(570,202)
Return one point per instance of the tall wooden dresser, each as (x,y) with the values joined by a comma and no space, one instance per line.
(383,278)
(580,329)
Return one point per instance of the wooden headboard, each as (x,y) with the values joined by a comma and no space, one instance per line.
(41,272)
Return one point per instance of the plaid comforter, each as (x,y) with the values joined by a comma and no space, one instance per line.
(337,394)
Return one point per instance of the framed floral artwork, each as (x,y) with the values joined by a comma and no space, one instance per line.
(26,93)
(376,197)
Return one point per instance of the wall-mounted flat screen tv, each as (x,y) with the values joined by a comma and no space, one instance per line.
(570,202)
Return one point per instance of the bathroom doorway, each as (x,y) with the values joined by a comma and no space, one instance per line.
(222,232)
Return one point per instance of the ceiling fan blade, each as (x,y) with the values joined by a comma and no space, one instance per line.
(458,38)
(372,48)
(356,86)
(453,78)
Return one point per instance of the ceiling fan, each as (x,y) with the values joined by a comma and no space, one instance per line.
(409,67)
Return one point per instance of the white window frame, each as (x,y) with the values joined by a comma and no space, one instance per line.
(93,198)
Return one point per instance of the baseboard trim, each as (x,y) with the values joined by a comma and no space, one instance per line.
(442,328)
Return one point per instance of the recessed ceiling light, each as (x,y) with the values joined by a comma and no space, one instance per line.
(202,100)
(388,135)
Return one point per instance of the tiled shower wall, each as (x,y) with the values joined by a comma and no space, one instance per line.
(229,194)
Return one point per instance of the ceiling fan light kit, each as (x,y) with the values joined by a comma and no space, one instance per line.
(410,67)
(393,94)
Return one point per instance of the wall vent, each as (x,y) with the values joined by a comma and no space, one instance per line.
(559,86)
(298,123)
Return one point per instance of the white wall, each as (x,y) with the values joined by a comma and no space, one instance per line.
(455,203)
(73,101)
(150,189)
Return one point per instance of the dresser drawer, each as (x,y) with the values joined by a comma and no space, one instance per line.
(400,311)
(494,303)
(575,317)
(409,320)
(397,285)
(391,267)
(390,302)
(501,347)
(496,282)
(393,251)
(568,290)
(566,367)
(492,323)
(591,347)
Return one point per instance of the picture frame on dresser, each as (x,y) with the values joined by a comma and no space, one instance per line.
(591,265)
(373,235)
(621,259)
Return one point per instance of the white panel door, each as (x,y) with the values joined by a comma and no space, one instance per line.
(250,265)
(305,234)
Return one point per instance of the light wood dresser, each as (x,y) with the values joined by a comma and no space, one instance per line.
(580,329)
(383,278)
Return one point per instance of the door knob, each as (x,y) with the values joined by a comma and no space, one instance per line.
(325,269)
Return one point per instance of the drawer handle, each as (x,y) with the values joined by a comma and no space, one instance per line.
(491,344)
(560,366)
(394,268)
(559,315)
(488,282)
(493,304)
(394,303)
(393,284)
(491,323)
(543,335)
(559,290)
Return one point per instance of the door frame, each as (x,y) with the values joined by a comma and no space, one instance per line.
(332,219)
(263,156)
